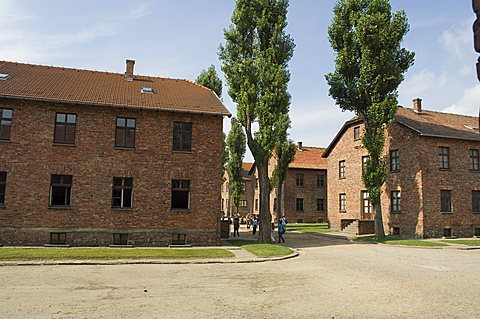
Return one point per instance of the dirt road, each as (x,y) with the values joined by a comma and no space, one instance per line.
(330,279)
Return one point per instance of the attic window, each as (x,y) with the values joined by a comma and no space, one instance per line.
(147,90)
(4,76)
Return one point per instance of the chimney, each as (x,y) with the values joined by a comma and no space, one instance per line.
(300,146)
(417,105)
(129,70)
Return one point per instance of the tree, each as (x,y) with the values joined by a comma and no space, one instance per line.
(369,66)
(210,79)
(236,150)
(285,152)
(255,58)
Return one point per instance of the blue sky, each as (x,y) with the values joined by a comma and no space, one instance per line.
(178,39)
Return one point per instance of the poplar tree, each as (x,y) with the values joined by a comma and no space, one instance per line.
(369,66)
(236,150)
(209,78)
(255,58)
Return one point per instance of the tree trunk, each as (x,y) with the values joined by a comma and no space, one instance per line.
(265,218)
(379,231)
(279,196)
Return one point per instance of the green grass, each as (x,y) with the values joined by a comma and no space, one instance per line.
(110,253)
(469,242)
(309,228)
(392,240)
(261,250)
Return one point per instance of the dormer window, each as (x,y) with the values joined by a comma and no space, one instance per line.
(4,76)
(147,90)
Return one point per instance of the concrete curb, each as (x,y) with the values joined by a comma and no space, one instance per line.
(146,261)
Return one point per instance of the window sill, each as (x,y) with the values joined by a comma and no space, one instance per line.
(63,144)
(445,169)
(123,148)
(320,211)
(60,207)
(446,213)
(475,171)
(182,152)
(472,212)
(342,178)
(122,208)
(343,212)
(2,206)
(395,171)
(5,141)
(180,210)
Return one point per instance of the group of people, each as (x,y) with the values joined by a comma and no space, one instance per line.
(254,223)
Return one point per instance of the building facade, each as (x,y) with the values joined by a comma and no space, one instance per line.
(304,198)
(94,158)
(246,204)
(433,183)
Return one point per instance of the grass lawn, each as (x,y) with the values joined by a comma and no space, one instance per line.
(392,240)
(261,250)
(7,253)
(309,228)
(469,242)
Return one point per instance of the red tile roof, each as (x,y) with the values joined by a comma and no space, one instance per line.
(310,158)
(57,84)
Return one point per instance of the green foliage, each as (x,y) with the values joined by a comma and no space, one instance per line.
(255,58)
(285,150)
(109,253)
(225,154)
(236,149)
(210,79)
(369,66)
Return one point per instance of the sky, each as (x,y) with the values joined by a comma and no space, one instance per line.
(178,39)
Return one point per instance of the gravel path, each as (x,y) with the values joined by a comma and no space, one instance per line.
(331,278)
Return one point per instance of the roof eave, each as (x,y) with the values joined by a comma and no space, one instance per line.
(340,133)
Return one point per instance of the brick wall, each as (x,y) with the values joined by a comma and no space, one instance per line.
(30,158)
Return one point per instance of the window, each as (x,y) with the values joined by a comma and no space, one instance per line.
(223,204)
(58,238)
(445,201)
(179,239)
(256,204)
(3,183)
(343,203)
(366,205)
(447,232)
(396,231)
(475,201)
(182,136)
(120,239)
(122,191)
(356,133)
(320,180)
(299,180)
(125,132)
(60,190)
(395,201)
(180,194)
(299,204)
(477,232)
(146,90)
(242,203)
(5,124)
(474,160)
(394,160)
(256,183)
(244,186)
(65,125)
(320,205)
(341,169)
(444,157)
(275,205)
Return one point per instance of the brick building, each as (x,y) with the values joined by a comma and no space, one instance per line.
(433,184)
(305,188)
(245,206)
(93,158)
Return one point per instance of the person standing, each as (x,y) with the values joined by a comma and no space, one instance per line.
(236,226)
(254,225)
(280,232)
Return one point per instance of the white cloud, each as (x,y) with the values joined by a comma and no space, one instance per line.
(468,104)
(458,38)
(420,83)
